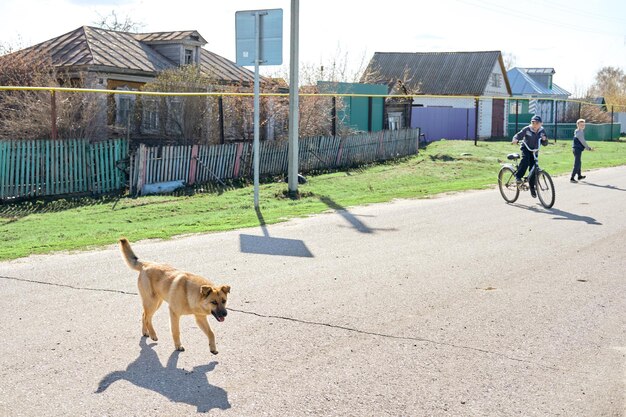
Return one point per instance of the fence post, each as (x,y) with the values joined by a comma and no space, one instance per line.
(193,163)
(238,155)
(339,152)
(141,167)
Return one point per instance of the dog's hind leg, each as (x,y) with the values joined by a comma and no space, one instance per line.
(204,325)
(151,303)
(150,307)
(175,326)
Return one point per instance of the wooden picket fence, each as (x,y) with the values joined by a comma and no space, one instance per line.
(38,168)
(210,163)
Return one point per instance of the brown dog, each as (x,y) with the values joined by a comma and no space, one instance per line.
(185,293)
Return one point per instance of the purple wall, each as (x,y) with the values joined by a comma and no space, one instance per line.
(444,122)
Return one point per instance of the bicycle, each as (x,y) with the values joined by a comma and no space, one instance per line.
(510,188)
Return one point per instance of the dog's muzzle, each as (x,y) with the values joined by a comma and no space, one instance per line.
(220,315)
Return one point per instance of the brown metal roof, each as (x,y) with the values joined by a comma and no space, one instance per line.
(89,47)
(155,37)
(115,52)
(220,68)
(446,73)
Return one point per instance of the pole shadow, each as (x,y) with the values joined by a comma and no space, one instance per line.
(267,245)
(356,223)
(178,385)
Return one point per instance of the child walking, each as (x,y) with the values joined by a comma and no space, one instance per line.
(578,146)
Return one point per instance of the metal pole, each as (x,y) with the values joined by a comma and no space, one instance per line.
(333,116)
(556,120)
(516,115)
(53,115)
(220,108)
(612,118)
(293,99)
(256,146)
(476,123)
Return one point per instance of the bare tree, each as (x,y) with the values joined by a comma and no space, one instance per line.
(610,83)
(26,114)
(510,60)
(113,22)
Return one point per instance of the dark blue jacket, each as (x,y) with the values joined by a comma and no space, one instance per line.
(577,145)
(532,138)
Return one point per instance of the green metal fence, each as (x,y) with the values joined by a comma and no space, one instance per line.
(603,131)
(37,168)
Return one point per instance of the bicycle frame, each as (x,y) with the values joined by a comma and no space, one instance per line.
(535,168)
(542,182)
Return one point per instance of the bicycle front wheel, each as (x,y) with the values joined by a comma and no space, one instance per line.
(545,189)
(508,184)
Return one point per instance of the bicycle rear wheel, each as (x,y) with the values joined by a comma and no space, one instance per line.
(545,189)
(507,184)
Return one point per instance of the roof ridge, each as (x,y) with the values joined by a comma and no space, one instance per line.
(442,52)
(93,58)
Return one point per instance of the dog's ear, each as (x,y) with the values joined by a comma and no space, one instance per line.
(205,290)
(226,289)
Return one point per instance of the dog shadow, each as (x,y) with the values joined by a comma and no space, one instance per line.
(178,385)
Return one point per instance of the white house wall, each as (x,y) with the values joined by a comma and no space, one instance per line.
(496,91)
(485,109)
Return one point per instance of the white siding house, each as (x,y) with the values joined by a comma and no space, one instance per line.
(457,79)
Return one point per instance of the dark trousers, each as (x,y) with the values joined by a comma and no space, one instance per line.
(527,161)
(577,162)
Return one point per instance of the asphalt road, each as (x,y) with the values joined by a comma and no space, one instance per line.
(460,305)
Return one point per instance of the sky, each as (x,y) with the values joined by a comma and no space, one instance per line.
(575,37)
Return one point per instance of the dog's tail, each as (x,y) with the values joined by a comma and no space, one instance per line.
(129,256)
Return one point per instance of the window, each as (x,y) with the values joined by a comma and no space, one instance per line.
(124,106)
(496,80)
(395,120)
(188,56)
(175,115)
(150,119)
(124,110)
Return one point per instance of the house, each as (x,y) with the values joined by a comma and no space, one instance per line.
(457,79)
(537,92)
(105,59)
(360,114)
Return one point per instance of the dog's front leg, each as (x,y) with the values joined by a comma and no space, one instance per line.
(175,326)
(204,325)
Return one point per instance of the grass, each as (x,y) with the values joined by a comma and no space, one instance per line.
(38,227)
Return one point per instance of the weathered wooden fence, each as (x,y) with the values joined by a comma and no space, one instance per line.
(37,168)
(201,163)
(59,167)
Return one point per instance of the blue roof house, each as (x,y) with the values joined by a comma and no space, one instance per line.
(535,85)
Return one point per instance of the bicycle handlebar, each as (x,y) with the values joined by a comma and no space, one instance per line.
(526,145)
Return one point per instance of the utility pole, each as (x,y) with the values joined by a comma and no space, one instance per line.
(294,118)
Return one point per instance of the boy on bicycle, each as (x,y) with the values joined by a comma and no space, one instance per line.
(531,135)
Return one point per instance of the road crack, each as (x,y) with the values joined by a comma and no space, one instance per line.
(315,323)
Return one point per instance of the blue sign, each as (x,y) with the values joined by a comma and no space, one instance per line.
(270,37)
